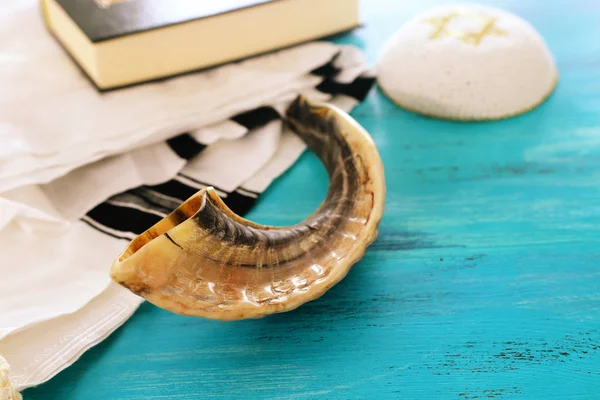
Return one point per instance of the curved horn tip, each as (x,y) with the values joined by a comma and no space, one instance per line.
(301,106)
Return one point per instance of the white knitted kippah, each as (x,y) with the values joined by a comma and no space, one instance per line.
(467,62)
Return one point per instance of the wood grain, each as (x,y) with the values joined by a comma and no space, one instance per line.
(484,282)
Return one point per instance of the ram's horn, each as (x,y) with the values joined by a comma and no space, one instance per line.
(206,261)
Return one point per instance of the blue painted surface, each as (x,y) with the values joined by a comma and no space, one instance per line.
(484,282)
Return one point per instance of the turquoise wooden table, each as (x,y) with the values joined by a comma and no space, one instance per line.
(484,282)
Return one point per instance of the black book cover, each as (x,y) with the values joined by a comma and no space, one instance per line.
(108,19)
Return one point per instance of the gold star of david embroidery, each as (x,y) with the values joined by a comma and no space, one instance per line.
(488,27)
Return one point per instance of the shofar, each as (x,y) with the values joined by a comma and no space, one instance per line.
(204,260)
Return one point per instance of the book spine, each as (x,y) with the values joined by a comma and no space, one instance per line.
(44,11)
